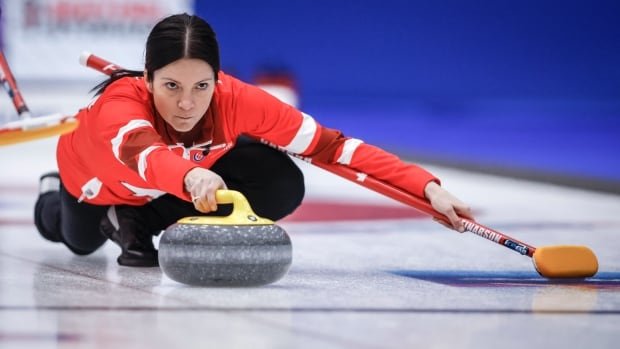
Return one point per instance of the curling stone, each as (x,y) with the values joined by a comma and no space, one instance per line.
(241,249)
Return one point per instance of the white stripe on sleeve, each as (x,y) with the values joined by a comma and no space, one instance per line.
(350,145)
(304,136)
(142,165)
(118,139)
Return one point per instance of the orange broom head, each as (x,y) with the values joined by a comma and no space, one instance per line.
(24,135)
(565,261)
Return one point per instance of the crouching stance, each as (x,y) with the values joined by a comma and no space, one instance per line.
(272,183)
(157,144)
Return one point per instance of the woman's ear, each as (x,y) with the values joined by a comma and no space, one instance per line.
(149,84)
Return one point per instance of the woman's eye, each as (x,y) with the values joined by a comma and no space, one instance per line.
(202,86)
(171,85)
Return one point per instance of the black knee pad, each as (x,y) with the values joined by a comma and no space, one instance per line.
(47,216)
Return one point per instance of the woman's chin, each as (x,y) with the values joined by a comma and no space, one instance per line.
(183,127)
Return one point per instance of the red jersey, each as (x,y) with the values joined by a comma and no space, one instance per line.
(124,153)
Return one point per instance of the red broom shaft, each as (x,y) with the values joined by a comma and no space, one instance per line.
(424,206)
(11,86)
(98,63)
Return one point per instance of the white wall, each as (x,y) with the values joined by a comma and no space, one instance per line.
(44,38)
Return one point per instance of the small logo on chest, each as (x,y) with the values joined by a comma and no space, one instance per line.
(198,156)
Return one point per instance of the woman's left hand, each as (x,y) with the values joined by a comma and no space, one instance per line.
(447,204)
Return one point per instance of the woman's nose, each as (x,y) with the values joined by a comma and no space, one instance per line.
(186,103)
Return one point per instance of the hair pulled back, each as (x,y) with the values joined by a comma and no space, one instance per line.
(174,37)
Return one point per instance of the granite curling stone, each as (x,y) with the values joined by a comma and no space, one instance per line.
(241,249)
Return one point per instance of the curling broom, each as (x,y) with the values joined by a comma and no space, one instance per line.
(28,128)
(558,261)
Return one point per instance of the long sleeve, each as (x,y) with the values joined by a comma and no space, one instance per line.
(279,124)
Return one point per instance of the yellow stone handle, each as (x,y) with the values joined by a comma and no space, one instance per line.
(225,196)
(242,213)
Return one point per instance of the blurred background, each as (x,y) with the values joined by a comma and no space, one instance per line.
(520,88)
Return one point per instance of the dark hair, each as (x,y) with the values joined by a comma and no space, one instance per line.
(172,38)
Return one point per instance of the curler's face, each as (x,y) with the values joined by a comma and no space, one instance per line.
(182,92)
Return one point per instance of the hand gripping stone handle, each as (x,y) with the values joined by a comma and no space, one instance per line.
(242,213)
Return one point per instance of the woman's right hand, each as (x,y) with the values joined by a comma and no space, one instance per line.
(201,184)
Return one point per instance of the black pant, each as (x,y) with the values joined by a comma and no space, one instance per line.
(272,183)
